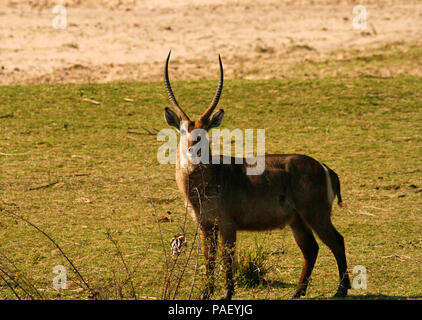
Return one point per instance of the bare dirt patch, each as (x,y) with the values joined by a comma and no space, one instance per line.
(123,40)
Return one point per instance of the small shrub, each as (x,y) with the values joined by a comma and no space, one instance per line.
(249,267)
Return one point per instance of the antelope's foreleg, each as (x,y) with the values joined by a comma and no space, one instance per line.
(209,240)
(228,244)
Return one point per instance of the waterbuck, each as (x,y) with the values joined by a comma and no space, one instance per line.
(294,190)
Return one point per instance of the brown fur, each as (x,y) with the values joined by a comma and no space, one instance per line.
(291,191)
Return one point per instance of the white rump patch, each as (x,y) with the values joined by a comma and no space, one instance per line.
(330,192)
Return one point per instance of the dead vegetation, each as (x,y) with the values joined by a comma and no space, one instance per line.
(257,39)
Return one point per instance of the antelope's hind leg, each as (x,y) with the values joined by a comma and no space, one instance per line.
(309,247)
(335,241)
(325,230)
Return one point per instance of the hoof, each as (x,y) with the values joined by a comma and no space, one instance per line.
(297,294)
(341,292)
(206,294)
(204,297)
(228,294)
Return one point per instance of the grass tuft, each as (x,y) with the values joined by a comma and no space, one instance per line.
(250,267)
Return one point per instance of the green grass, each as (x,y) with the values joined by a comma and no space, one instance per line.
(101,161)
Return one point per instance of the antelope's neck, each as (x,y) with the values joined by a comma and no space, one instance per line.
(193,179)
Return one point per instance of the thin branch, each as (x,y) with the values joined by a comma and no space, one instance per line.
(91,101)
(93,292)
(157,222)
(17,283)
(190,253)
(10,287)
(197,249)
(147,132)
(8,115)
(167,284)
(168,278)
(44,186)
(14,154)
(119,252)
(24,280)
(196,267)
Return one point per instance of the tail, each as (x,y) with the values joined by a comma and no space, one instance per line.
(335,183)
(338,193)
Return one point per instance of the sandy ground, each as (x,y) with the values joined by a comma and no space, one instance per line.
(119,40)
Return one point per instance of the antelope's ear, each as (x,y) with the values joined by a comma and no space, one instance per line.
(171,118)
(216,119)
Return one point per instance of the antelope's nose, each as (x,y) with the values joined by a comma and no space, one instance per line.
(192,151)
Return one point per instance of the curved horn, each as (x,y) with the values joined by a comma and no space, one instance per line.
(170,93)
(214,102)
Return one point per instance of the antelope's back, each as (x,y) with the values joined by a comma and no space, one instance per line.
(288,181)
